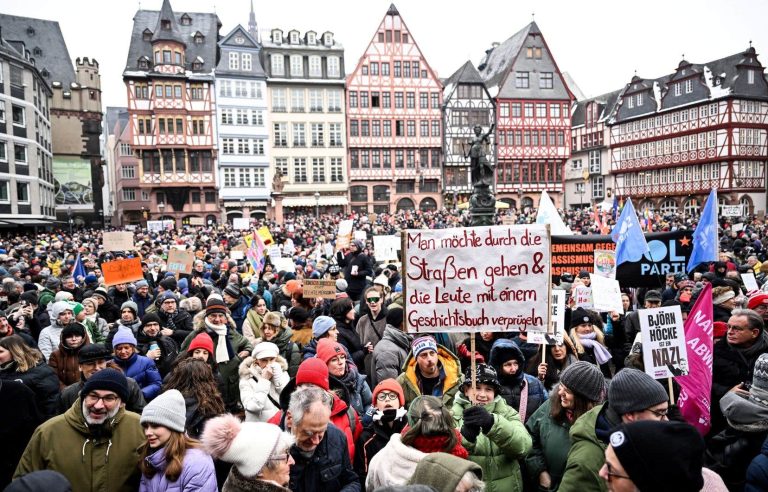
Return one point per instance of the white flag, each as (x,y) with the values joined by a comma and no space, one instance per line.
(547,214)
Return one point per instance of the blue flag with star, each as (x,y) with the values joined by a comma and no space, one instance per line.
(705,236)
(629,238)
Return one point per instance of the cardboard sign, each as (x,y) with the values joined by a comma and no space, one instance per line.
(507,220)
(241,223)
(239,247)
(556,319)
(319,288)
(372,218)
(344,235)
(582,296)
(180,261)
(196,221)
(118,241)
(477,279)
(737,227)
(385,248)
(664,351)
(606,294)
(749,281)
(605,263)
(155,225)
(121,271)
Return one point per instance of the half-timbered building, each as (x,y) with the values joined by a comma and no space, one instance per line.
(394,130)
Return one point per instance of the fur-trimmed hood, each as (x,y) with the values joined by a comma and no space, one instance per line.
(249,367)
(743,414)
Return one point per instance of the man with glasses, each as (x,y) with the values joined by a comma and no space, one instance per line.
(95,443)
(633,396)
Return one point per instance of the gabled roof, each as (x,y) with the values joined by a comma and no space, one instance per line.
(499,59)
(43,34)
(466,74)
(250,44)
(606,105)
(167,34)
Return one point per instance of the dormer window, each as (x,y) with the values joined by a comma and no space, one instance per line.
(328,39)
(197,64)
(165,24)
(146,35)
(186,20)
(30,31)
(294,37)
(199,38)
(37,52)
(45,73)
(143,63)
(311,38)
(277,36)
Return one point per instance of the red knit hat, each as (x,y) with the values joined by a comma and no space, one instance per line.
(757,299)
(719,329)
(390,385)
(327,349)
(313,371)
(201,341)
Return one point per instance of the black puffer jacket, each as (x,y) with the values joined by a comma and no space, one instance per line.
(168,350)
(512,386)
(328,469)
(181,320)
(41,379)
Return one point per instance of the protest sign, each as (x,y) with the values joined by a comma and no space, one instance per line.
(239,247)
(557,321)
(274,252)
(507,220)
(155,225)
(196,221)
(605,263)
(283,264)
(180,261)
(582,296)
(344,235)
(241,223)
(664,352)
(319,288)
(749,281)
(121,271)
(731,210)
(477,279)
(266,236)
(361,236)
(236,255)
(606,294)
(118,241)
(385,248)
(696,386)
(372,218)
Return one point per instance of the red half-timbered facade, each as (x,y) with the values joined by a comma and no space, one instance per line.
(533,119)
(394,132)
(675,138)
(172,108)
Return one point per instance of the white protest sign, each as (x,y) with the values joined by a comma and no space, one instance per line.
(582,296)
(155,225)
(731,210)
(196,221)
(344,236)
(180,261)
(274,252)
(664,351)
(557,318)
(236,255)
(737,227)
(478,279)
(361,235)
(605,263)
(241,223)
(385,248)
(118,241)
(606,294)
(749,281)
(283,264)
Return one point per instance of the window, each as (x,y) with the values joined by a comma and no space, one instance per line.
(234,61)
(244,175)
(257,146)
(521,80)
(354,128)
(405,187)
(317,135)
(297,100)
(554,110)
(435,97)
(358,193)
(750,77)
(245,59)
(141,91)
(334,134)
(316,100)
(334,101)
(630,102)
(398,100)
(364,101)
(688,86)
(386,100)
(226,117)
(297,66)
(228,146)
(546,80)
(318,170)
(225,88)
(352,99)
(504,110)
(410,100)
(299,170)
(516,110)
(229,178)
(128,172)
(365,128)
(299,139)
(529,110)
(374,68)
(20,153)
(678,89)
(281,135)
(411,128)
(279,100)
(597,187)
(423,100)
(639,100)
(281,164)
(278,68)
(315,69)
(19,117)
(594,161)
(129,194)
(397,68)
(424,128)
(333,66)
(125,149)
(197,92)
(385,69)
(541,110)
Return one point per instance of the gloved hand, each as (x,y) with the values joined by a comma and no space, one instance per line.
(470,432)
(479,417)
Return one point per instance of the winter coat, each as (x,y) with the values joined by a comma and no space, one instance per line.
(374,438)
(450,377)
(109,311)
(349,338)
(497,452)
(20,417)
(355,283)
(41,379)
(181,320)
(589,436)
(260,396)
(227,370)
(236,482)
(144,372)
(238,312)
(720,313)
(65,444)
(65,362)
(360,396)
(329,469)
(389,354)
(49,339)
(96,329)
(118,325)
(371,331)
(142,303)
(551,444)
(71,393)
(757,472)
(730,452)
(197,473)
(252,326)
(393,465)
(512,386)
(169,351)
(289,350)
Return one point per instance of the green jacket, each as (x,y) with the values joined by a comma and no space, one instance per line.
(65,444)
(46,297)
(451,381)
(498,452)
(551,443)
(227,370)
(586,456)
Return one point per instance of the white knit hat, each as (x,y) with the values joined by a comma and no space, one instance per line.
(725,296)
(167,409)
(262,350)
(247,445)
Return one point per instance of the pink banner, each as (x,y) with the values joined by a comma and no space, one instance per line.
(696,387)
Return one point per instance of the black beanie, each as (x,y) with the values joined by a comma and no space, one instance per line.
(169,283)
(150,318)
(660,455)
(579,316)
(395,317)
(108,380)
(72,329)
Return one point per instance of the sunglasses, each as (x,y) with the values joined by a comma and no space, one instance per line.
(373,300)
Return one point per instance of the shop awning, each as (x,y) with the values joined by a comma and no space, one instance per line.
(25,222)
(309,201)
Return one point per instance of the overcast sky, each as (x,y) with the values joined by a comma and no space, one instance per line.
(600,43)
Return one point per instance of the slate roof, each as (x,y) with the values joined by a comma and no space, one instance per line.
(251,44)
(172,34)
(607,103)
(466,74)
(114,115)
(207,24)
(498,61)
(43,34)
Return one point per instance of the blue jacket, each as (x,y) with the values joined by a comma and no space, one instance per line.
(329,469)
(197,473)
(239,310)
(144,372)
(757,473)
(142,303)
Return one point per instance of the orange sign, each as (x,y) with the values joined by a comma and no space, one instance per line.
(121,271)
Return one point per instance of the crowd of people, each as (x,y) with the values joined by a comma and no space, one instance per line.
(230,379)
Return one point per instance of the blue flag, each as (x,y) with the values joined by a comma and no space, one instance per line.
(615,208)
(629,239)
(705,236)
(79,270)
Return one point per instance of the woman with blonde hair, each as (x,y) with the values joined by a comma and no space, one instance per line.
(589,341)
(20,362)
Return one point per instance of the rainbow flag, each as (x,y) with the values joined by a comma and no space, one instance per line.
(255,254)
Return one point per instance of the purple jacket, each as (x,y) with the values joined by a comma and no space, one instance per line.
(197,474)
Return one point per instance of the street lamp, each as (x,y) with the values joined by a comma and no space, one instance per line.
(161,208)
(69,219)
(317,204)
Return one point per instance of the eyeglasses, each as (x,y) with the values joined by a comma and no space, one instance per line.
(384,396)
(659,413)
(281,457)
(373,300)
(736,328)
(612,475)
(270,325)
(107,400)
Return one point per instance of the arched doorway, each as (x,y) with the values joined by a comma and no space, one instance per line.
(668,207)
(509,201)
(526,203)
(210,220)
(428,205)
(691,207)
(405,204)
(746,205)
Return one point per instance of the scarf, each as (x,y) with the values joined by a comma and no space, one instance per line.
(436,444)
(601,353)
(222,351)
(169,319)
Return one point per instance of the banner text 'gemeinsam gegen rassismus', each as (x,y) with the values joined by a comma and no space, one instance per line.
(477,279)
